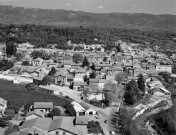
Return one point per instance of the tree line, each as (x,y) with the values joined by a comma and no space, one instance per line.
(42,36)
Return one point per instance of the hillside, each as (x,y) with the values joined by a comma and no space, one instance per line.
(20,15)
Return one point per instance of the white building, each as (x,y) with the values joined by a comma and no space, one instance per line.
(3,106)
(164,68)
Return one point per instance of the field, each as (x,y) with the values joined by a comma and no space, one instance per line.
(17,95)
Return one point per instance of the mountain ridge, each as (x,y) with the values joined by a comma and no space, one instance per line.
(62,17)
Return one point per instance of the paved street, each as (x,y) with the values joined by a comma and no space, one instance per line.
(113,118)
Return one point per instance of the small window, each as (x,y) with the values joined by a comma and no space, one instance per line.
(91,113)
(57,132)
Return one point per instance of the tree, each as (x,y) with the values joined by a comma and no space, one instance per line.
(10,48)
(77,57)
(109,97)
(94,127)
(3,122)
(85,62)
(92,75)
(132,93)
(105,59)
(9,65)
(47,80)
(93,66)
(53,71)
(25,63)
(31,87)
(26,107)
(19,56)
(86,92)
(85,78)
(119,77)
(54,112)
(166,76)
(141,83)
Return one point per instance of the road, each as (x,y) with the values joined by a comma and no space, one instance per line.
(104,113)
(113,118)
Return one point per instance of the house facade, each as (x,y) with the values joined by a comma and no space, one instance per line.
(164,68)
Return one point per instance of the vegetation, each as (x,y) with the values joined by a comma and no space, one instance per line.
(47,80)
(3,122)
(11,48)
(132,93)
(92,75)
(141,83)
(42,36)
(77,57)
(40,54)
(93,66)
(5,65)
(165,121)
(85,62)
(26,63)
(94,127)
(52,72)
(54,112)
(16,95)
(119,77)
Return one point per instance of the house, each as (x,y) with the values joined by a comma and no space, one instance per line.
(81,123)
(50,89)
(81,109)
(60,77)
(76,109)
(164,68)
(47,126)
(100,66)
(88,110)
(29,72)
(38,126)
(82,72)
(44,107)
(144,63)
(81,120)
(79,85)
(98,82)
(25,80)
(37,62)
(34,114)
(63,126)
(69,80)
(3,105)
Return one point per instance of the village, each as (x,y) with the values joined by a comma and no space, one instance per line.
(85,76)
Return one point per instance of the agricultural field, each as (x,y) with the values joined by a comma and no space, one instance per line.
(17,95)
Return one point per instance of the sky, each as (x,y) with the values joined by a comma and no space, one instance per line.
(100,6)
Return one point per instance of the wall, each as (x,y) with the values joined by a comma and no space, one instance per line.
(61,132)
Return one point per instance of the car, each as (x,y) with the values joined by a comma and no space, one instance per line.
(112,132)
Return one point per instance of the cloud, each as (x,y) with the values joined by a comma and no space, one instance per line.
(69,4)
(100,7)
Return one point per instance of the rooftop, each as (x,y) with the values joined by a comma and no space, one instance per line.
(43,105)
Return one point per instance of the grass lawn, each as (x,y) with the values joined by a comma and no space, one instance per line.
(17,95)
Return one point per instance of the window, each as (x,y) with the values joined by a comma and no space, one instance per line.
(64,133)
(57,132)
(91,113)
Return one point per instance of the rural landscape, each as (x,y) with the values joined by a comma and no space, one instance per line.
(67,72)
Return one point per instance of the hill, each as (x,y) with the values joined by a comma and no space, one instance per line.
(19,15)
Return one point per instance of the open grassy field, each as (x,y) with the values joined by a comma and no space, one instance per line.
(16,94)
